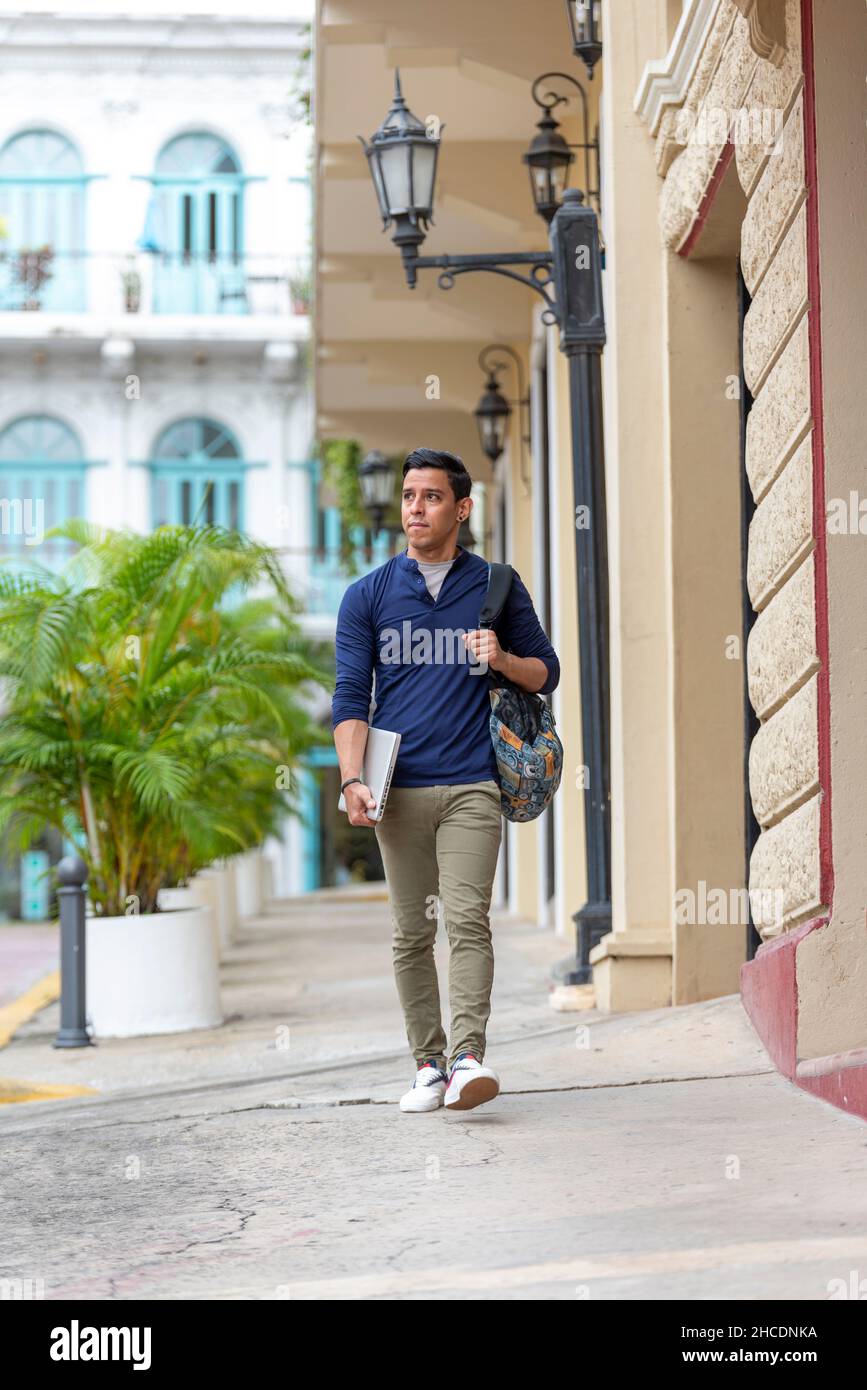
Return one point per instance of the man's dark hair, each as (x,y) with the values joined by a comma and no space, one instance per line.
(450,463)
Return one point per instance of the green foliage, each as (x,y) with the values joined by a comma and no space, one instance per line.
(143,712)
(301,289)
(302,84)
(341,460)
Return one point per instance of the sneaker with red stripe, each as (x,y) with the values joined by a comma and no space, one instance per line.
(470,1084)
(428,1089)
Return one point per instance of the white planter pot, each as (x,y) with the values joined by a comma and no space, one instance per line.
(215,888)
(153,973)
(170,899)
(248,884)
(174,899)
(267,879)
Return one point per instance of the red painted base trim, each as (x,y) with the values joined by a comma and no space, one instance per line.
(769,990)
(845,1088)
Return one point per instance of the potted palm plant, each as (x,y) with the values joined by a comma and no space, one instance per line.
(131,284)
(32,273)
(158,727)
(301,292)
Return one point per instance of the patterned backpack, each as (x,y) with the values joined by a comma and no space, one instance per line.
(528,751)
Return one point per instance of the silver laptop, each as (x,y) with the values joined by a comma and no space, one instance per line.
(380,755)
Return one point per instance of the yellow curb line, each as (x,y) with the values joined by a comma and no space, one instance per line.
(45,991)
(14,1092)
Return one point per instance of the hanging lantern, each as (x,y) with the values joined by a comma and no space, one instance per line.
(585,28)
(402,156)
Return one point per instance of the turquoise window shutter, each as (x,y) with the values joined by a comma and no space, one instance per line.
(42,207)
(197,476)
(200,205)
(42,484)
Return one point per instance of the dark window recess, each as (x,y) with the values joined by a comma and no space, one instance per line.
(186,503)
(209,503)
(187,227)
(212,225)
(320,533)
(748,506)
(236,226)
(234,506)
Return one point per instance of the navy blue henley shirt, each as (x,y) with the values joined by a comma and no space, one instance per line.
(429,689)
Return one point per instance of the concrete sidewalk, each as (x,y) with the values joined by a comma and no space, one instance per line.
(653,1155)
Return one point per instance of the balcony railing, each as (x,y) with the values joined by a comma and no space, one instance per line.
(320,577)
(42,280)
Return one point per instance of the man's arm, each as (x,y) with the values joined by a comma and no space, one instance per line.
(350,740)
(527,660)
(350,705)
(528,672)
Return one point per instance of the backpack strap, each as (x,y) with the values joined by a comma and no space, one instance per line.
(499,586)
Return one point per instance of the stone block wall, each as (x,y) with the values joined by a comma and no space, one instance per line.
(782,657)
(761,99)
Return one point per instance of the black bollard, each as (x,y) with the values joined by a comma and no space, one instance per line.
(72,876)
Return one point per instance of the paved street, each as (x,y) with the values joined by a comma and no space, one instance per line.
(644,1156)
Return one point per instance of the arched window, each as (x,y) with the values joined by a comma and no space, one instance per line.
(198,476)
(42,206)
(42,483)
(199,189)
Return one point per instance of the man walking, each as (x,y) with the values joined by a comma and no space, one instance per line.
(412,624)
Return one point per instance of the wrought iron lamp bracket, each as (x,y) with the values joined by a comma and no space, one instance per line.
(540,275)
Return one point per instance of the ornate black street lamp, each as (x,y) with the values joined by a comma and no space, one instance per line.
(402,155)
(550,156)
(585,28)
(493,411)
(572,269)
(376,479)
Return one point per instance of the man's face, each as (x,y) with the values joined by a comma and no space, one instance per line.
(429,511)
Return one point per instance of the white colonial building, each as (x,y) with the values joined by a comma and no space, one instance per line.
(154,291)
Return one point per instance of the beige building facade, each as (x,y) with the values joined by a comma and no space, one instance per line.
(732,213)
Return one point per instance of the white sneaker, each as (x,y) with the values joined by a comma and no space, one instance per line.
(427,1090)
(470,1083)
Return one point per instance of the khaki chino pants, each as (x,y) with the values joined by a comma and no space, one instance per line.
(442,842)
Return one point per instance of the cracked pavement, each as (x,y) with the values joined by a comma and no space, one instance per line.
(653,1155)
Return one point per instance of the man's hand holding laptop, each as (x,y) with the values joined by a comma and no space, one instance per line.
(359,801)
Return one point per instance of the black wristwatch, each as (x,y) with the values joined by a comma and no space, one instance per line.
(348,783)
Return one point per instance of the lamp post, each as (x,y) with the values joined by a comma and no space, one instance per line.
(578,275)
(403,172)
(585,30)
